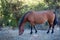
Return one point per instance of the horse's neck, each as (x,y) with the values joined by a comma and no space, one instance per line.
(22,25)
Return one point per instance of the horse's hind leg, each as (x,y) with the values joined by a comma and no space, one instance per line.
(49,29)
(35,29)
(53,29)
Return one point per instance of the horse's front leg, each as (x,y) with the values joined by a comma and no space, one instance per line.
(35,29)
(31,30)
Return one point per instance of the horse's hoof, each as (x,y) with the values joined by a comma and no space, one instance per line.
(31,32)
(52,32)
(35,31)
(47,32)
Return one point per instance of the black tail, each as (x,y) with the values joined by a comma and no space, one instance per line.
(55,20)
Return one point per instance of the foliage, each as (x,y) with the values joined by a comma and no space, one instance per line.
(12,10)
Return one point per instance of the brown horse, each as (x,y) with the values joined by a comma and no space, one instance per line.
(38,17)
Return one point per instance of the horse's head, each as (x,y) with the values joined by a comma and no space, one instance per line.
(22,23)
(21,30)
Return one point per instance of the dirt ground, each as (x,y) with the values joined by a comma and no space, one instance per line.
(9,34)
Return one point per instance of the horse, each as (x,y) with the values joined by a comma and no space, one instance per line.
(38,17)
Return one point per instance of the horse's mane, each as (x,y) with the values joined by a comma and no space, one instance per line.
(22,19)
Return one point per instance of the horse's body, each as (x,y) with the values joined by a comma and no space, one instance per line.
(41,17)
(38,17)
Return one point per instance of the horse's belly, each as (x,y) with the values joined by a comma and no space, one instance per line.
(40,21)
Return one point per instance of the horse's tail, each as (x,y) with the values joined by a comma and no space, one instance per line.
(55,20)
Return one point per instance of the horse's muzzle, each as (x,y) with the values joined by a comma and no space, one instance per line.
(21,32)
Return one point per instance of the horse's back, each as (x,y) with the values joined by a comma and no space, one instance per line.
(41,16)
(48,14)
